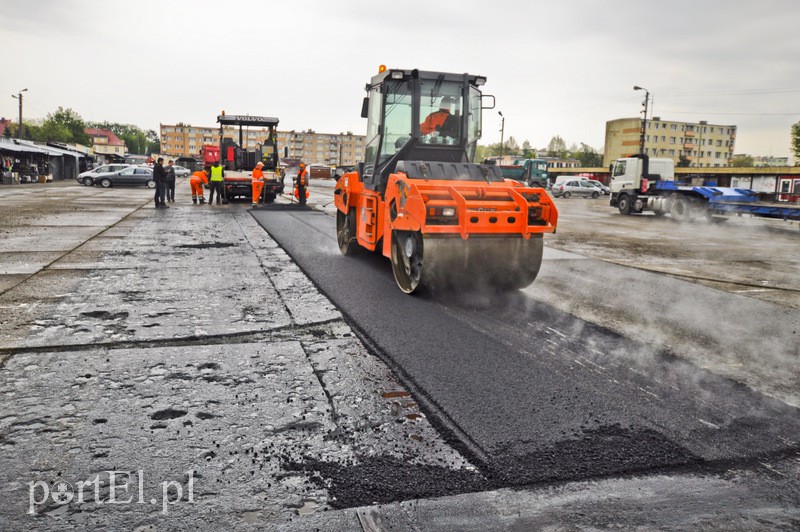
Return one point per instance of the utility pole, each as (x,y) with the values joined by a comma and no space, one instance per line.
(18,96)
(502,132)
(644,116)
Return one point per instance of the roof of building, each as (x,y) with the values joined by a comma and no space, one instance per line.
(113,140)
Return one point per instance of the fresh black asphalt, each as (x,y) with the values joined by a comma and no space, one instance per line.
(531,394)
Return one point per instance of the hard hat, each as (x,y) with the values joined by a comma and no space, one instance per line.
(302,165)
(448,99)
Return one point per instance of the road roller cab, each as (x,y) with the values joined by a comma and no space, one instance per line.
(417,198)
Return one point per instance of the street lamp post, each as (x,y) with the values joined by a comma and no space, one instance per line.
(644,116)
(502,132)
(18,96)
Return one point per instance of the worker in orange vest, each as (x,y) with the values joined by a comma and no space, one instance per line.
(196,182)
(301,182)
(436,119)
(258,182)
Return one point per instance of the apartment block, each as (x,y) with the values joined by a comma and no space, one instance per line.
(701,143)
(334,149)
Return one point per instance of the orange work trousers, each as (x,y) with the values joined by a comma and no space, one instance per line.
(258,186)
(197,186)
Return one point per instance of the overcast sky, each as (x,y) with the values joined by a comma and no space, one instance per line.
(556,68)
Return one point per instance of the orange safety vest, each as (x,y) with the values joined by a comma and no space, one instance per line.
(258,174)
(301,177)
(201,176)
(434,121)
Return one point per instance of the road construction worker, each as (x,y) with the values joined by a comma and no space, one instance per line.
(197,181)
(301,184)
(217,182)
(258,182)
(436,119)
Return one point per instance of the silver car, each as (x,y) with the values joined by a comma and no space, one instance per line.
(604,189)
(181,171)
(132,175)
(576,187)
(88,178)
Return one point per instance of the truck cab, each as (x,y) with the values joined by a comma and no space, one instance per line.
(627,173)
(635,179)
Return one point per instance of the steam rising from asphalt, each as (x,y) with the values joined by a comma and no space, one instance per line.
(728,332)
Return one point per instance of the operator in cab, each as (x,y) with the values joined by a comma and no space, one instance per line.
(436,120)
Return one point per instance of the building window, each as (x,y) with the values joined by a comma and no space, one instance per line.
(671,153)
(674,127)
(672,140)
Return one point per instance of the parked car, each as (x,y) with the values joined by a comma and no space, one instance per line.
(87,178)
(604,189)
(576,187)
(181,171)
(132,175)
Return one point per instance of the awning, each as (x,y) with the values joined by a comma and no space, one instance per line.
(23,148)
(55,152)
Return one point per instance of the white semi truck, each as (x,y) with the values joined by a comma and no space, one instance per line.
(640,184)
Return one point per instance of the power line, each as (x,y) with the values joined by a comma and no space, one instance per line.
(733,114)
(729,93)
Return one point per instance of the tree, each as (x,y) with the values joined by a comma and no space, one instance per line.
(511,146)
(557,147)
(684,161)
(796,143)
(742,160)
(588,156)
(153,142)
(65,125)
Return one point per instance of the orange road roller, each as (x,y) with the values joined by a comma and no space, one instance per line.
(419,199)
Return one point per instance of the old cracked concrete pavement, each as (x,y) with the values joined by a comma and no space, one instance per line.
(155,351)
(176,370)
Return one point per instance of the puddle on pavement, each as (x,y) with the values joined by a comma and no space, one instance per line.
(309,507)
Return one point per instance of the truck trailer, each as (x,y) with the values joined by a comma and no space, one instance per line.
(640,184)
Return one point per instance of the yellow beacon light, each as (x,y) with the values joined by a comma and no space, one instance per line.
(381,69)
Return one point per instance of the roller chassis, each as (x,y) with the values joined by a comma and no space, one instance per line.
(492,239)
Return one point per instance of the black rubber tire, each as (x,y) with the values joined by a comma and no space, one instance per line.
(346,231)
(567,194)
(624,204)
(105,183)
(680,210)
(595,195)
(88,181)
(150,183)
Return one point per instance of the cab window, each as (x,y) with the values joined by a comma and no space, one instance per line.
(440,109)
(396,119)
